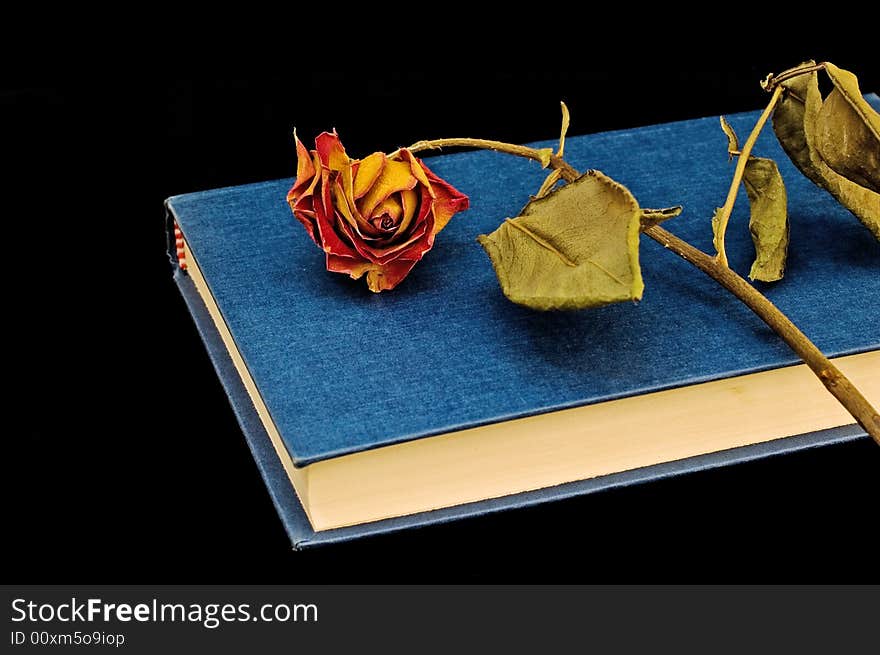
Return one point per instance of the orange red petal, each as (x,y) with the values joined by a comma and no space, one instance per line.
(331,152)
(448,200)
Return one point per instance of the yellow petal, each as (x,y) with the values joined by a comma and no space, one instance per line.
(390,206)
(410,198)
(304,168)
(417,170)
(343,207)
(330,148)
(316,162)
(368,171)
(396,176)
(344,201)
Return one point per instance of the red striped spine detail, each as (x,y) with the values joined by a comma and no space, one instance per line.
(181,253)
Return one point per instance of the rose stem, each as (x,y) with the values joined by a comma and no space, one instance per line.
(774,80)
(834,380)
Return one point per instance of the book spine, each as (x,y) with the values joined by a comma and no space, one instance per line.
(174,237)
(178,245)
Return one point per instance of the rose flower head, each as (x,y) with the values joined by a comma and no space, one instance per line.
(375,216)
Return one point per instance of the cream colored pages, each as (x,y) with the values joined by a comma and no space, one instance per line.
(558,447)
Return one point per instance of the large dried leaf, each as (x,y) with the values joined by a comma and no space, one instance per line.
(769,218)
(848,131)
(575,248)
(796,121)
(789,118)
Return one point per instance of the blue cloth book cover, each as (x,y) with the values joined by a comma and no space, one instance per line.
(342,370)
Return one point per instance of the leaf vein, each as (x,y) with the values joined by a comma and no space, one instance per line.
(607,272)
(542,242)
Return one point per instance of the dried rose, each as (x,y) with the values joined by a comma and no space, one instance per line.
(375,216)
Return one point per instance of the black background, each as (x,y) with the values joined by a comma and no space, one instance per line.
(126,462)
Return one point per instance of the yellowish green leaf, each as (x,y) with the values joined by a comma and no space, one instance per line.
(769,218)
(566,118)
(732,140)
(652,217)
(768,221)
(789,122)
(796,123)
(848,84)
(575,248)
(716,228)
(848,131)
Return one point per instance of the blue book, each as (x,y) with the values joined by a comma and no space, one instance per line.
(368,413)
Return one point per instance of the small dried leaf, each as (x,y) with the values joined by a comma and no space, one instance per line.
(768,221)
(575,248)
(652,217)
(716,226)
(796,123)
(732,140)
(769,218)
(848,131)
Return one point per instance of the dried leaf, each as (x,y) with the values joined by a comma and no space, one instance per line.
(575,248)
(732,140)
(789,120)
(768,221)
(769,218)
(652,217)
(848,131)
(566,118)
(796,123)
(716,226)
